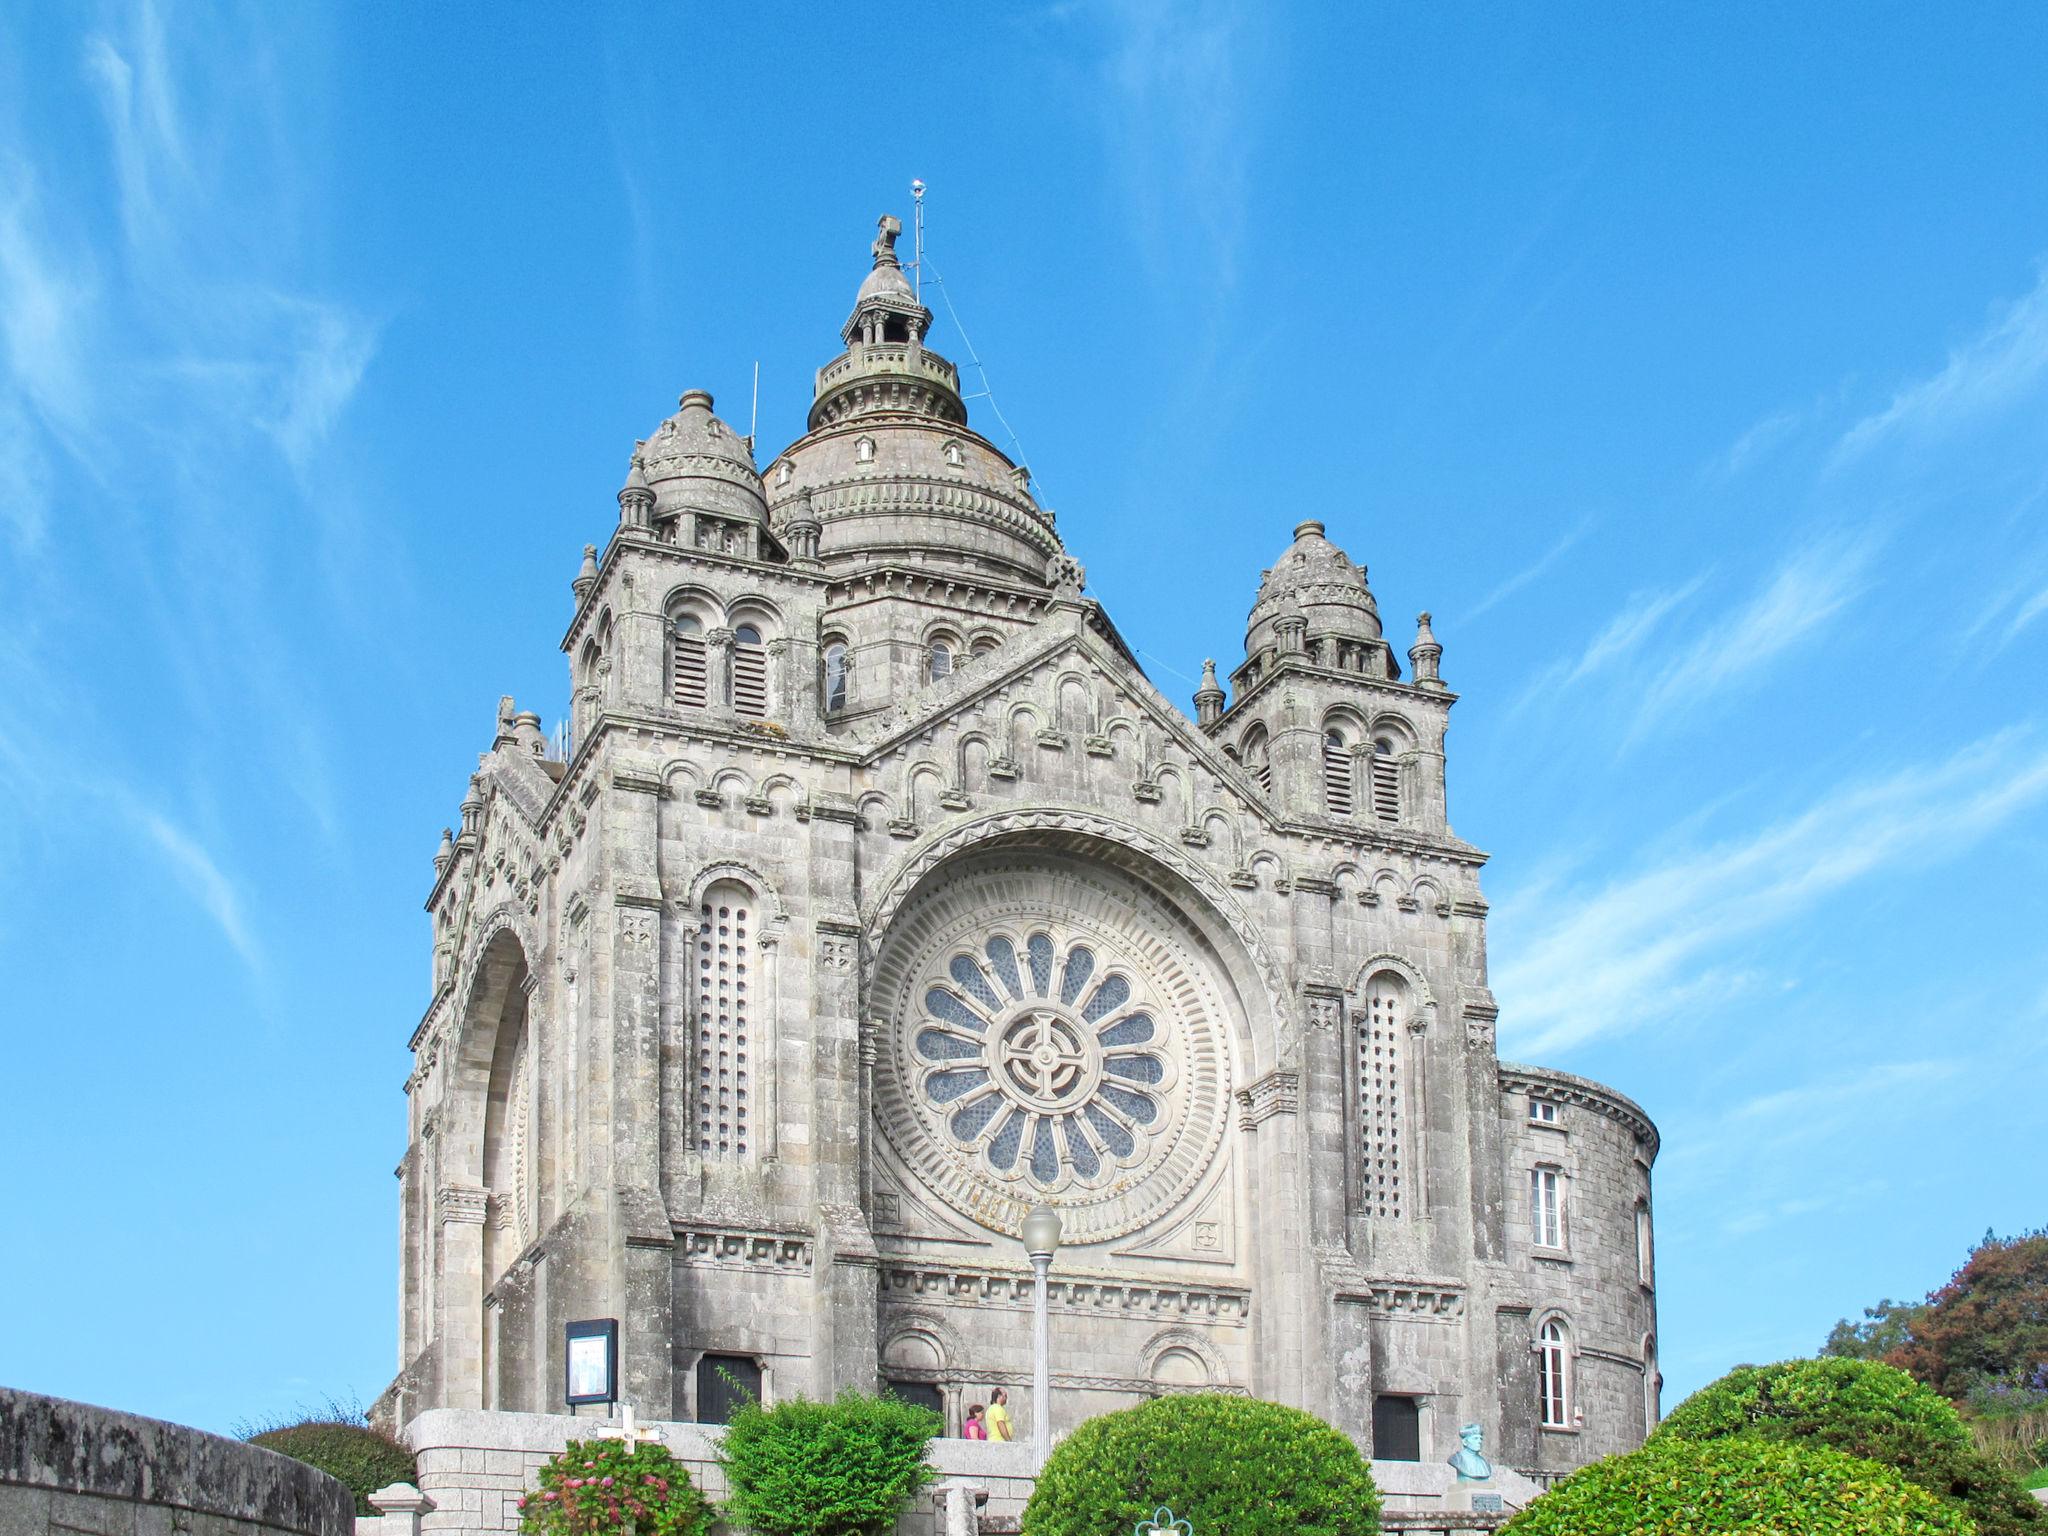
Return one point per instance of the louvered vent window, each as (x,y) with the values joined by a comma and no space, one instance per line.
(749,673)
(1386,782)
(1336,775)
(1379,1100)
(723,953)
(690,668)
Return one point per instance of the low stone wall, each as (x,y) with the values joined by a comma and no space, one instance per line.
(475,1465)
(73,1468)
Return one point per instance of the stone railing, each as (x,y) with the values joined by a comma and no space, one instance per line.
(70,1467)
(887,357)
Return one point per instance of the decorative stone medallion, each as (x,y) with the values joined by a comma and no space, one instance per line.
(1054,1036)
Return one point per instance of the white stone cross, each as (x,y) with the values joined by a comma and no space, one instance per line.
(631,1434)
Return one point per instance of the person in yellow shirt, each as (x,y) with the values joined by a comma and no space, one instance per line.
(998,1416)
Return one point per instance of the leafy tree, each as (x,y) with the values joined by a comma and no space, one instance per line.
(1866,1409)
(1885,1327)
(606,1488)
(1225,1464)
(1988,1327)
(844,1468)
(1745,1484)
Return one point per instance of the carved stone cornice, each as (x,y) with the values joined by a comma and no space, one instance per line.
(1277,1093)
(468,1204)
(1582,1093)
(1102,1296)
(737,1248)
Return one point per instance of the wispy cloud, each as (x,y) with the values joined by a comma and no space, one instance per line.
(1621,641)
(1798,598)
(1755,443)
(1580,964)
(1181,135)
(1805,1106)
(1536,568)
(197,870)
(1993,370)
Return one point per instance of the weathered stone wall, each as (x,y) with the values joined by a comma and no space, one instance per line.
(70,1467)
(1600,1285)
(475,1466)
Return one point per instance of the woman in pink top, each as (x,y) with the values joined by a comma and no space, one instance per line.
(974,1429)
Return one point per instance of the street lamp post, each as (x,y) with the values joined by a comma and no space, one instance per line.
(1041,1241)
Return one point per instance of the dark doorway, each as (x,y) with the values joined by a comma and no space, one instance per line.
(924,1394)
(1396,1429)
(724,1383)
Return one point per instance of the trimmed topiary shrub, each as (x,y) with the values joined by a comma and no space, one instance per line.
(359,1457)
(844,1468)
(1813,1397)
(600,1488)
(1866,1409)
(1232,1466)
(1674,1487)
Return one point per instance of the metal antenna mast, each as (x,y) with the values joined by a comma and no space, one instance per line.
(917,241)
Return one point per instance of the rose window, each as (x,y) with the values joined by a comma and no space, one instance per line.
(1043,1059)
(1052,1033)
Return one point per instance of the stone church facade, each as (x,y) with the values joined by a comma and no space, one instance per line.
(881,898)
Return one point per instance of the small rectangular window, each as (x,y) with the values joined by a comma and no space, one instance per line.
(1546,1224)
(1396,1429)
(1543,1111)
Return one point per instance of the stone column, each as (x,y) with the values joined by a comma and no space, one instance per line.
(460,1211)
(640,671)
(1268,1115)
(846,1267)
(644,1255)
(718,645)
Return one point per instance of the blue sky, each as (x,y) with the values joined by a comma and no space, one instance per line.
(1690,365)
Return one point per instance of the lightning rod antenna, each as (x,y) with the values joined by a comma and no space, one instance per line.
(754,415)
(917,241)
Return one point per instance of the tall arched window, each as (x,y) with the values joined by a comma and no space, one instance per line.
(1553,1375)
(1254,756)
(1645,1260)
(941,658)
(1386,780)
(1337,792)
(749,672)
(690,667)
(725,953)
(835,676)
(1653,1385)
(1380,1087)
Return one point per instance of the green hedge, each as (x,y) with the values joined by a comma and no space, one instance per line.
(1866,1409)
(1813,1397)
(844,1468)
(1675,1487)
(1232,1466)
(360,1458)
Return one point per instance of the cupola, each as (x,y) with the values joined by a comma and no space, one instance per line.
(1312,593)
(696,463)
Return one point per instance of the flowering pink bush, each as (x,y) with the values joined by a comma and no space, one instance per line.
(599,1488)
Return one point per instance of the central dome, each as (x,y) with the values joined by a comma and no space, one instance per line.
(889,468)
